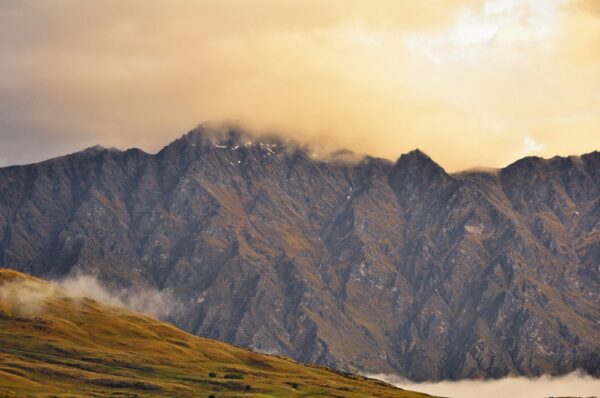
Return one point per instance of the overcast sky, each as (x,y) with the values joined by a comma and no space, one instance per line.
(470,82)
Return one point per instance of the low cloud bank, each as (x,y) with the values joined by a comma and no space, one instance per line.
(576,384)
(158,303)
(29,297)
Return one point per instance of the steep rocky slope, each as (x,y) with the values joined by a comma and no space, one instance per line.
(56,344)
(361,265)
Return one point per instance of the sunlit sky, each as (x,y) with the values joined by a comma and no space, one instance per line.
(470,82)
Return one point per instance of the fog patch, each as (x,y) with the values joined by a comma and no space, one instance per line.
(576,384)
(158,303)
(232,136)
(29,297)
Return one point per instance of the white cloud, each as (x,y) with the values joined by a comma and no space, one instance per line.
(477,31)
(30,297)
(571,385)
(150,301)
(530,145)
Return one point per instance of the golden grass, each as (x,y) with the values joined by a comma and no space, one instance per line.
(60,346)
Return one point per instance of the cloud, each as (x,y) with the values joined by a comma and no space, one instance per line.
(530,145)
(160,304)
(27,297)
(459,79)
(571,385)
(30,297)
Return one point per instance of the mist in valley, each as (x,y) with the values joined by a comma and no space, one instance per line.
(576,384)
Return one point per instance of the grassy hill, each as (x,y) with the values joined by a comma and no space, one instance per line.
(55,345)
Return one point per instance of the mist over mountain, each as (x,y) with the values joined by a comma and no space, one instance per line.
(358,264)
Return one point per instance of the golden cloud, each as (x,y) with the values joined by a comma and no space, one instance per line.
(469,82)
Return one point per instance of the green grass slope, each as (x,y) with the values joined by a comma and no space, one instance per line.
(56,345)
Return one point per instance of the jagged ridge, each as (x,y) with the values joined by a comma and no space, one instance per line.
(371,265)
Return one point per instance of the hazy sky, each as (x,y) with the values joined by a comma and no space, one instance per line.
(470,82)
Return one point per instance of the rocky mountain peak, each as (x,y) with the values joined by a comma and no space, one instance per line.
(205,139)
(94,149)
(525,166)
(416,155)
(415,175)
(417,161)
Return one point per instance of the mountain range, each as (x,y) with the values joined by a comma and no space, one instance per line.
(357,263)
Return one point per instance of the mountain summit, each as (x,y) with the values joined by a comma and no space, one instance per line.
(361,265)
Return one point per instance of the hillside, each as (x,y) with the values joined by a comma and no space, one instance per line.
(358,264)
(53,344)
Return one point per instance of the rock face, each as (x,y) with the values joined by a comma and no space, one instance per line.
(366,265)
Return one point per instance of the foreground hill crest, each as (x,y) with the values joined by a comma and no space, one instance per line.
(54,343)
(370,265)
